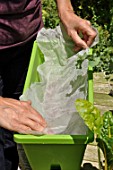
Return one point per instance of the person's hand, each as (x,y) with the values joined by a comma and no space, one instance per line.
(19,116)
(75,26)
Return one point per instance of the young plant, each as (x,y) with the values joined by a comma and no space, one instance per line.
(102,127)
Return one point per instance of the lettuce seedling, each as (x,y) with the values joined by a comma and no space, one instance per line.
(101,125)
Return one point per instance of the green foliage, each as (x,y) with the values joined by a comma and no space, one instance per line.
(101,125)
(100,13)
(90,114)
(49,13)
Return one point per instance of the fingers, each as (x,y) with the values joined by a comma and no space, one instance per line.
(32,119)
(91,34)
(81,32)
(78,41)
(45,131)
(25,108)
(86,41)
(74,25)
(33,114)
(23,129)
(19,116)
(88,22)
(29,126)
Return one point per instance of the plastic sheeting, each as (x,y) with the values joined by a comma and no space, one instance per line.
(62,82)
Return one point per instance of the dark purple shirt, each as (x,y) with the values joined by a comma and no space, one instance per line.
(20,20)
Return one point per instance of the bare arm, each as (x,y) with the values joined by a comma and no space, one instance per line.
(74,25)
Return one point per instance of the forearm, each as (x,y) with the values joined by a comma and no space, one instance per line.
(63,6)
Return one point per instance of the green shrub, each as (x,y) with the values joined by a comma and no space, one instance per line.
(49,13)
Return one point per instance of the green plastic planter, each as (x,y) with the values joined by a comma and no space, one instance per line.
(53,152)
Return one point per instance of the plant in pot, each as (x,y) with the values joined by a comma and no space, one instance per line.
(102,127)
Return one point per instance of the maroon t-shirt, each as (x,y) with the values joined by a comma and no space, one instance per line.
(20,20)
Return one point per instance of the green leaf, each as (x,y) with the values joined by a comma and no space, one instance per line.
(101,125)
(94,62)
(90,115)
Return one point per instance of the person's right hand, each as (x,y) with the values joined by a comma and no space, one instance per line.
(19,116)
